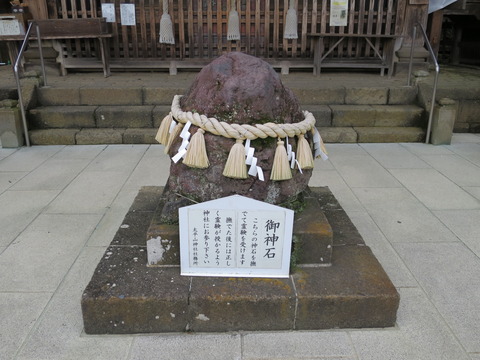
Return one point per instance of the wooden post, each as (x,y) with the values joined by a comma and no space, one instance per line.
(416,11)
(435,30)
(38,9)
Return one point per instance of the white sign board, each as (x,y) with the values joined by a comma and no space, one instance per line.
(235,237)
(127,14)
(9,25)
(108,12)
(338,12)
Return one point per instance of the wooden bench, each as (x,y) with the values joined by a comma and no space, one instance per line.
(58,29)
(383,57)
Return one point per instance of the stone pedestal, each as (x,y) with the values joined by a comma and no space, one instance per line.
(443,122)
(419,60)
(11,131)
(336,283)
(312,236)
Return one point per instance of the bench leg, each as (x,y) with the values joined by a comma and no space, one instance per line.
(57,46)
(105,57)
(173,68)
(390,56)
(317,55)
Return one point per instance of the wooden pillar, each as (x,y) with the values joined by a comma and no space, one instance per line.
(455,54)
(415,11)
(435,30)
(38,9)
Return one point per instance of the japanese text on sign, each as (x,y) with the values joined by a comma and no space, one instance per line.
(338,12)
(225,241)
(226,238)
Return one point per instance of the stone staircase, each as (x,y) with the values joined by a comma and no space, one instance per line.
(131,115)
(350,115)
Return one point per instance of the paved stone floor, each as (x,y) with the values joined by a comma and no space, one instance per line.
(417,206)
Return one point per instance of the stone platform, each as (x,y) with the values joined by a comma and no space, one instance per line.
(125,296)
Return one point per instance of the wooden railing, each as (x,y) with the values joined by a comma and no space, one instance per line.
(201,28)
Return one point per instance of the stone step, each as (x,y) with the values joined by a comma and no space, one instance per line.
(367,115)
(66,117)
(105,116)
(147,116)
(376,115)
(98,95)
(390,134)
(371,134)
(92,136)
(58,96)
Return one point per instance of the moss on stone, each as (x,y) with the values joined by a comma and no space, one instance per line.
(296,203)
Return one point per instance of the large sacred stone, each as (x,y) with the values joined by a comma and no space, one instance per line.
(242,89)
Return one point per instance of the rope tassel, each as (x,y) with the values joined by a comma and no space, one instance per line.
(166,26)
(281,167)
(290,30)
(233,28)
(304,153)
(196,155)
(163,130)
(173,135)
(236,167)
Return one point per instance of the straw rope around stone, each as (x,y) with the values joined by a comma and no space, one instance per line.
(244,131)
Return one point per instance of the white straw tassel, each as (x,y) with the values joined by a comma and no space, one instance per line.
(290,30)
(166,26)
(233,28)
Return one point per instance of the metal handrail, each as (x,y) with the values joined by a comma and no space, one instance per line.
(437,71)
(17,76)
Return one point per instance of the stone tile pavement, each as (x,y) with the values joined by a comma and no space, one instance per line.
(417,206)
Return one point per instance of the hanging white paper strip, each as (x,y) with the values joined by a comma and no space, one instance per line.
(253,169)
(289,149)
(247,146)
(318,146)
(179,155)
(248,161)
(185,134)
(251,160)
(172,126)
(298,165)
(260,174)
(184,145)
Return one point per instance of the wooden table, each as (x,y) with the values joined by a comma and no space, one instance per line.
(382,60)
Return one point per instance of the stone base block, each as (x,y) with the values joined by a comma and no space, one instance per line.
(359,96)
(99,136)
(53,136)
(338,134)
(11,130)
(140,136)
(126,116)
(390,134)
(312,235)
(63,117)
(125,296)
(444,116)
